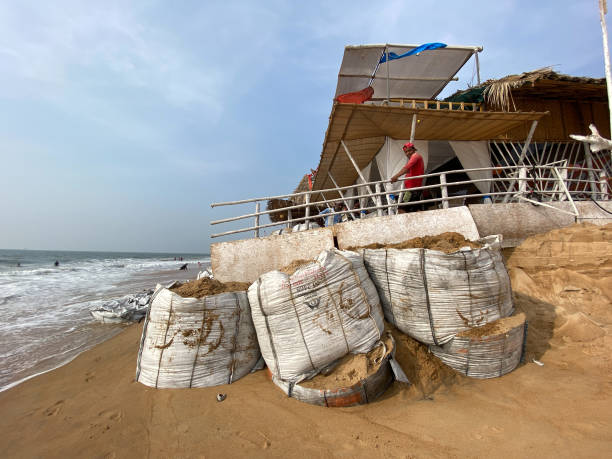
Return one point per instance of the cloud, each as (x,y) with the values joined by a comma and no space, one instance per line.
(81,48)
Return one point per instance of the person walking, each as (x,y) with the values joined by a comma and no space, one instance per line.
(413,168)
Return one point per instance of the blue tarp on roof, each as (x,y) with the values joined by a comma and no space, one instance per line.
(417,50)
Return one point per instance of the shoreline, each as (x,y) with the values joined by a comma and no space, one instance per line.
(93,333)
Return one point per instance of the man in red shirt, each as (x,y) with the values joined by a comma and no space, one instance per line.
(413,168)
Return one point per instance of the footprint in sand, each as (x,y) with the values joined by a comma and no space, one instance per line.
(255,438)
(55,409)
(111,415)
(487,431)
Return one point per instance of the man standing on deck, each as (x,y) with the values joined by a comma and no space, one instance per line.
(413,168)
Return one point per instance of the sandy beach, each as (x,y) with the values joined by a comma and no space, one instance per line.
(557,404)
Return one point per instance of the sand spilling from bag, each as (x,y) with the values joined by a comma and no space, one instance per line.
(351,369)
(498,327)
(424,370)
(206,287)
(446,242)
(292,267)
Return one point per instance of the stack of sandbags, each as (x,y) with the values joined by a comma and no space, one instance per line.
(434,296)
(323,311)
(197,342)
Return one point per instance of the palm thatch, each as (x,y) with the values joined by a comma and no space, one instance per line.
(302,187)
(281,215)
(498,94)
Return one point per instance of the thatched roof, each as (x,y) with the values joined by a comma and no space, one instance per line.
(363,128)
(302,186)
(542,83)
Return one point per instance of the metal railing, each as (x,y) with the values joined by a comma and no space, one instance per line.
(536,184)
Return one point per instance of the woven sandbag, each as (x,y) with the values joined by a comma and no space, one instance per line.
(323,311)
(197,342)
(364,391)
(431,296)
(486,352)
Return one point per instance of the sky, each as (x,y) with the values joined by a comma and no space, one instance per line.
(122,121)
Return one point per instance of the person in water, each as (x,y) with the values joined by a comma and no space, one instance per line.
(56,263)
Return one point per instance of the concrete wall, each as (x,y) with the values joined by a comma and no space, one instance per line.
(399,228)
(246,260)
(517,221)
(591,213)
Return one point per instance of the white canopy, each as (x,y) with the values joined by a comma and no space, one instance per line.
(391,158)
(473,155)
(420,76)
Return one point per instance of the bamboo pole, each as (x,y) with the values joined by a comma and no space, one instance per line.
(477,68)
(340,193)
(348,153)
(413,127)
(534,124)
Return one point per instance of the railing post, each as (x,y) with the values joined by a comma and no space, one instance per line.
(289,217)
(603,186)
(522,180)
(308,211)
(444,191)
(591,174)
(257,219)
(378,201)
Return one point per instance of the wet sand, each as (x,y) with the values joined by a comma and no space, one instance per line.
(93,408)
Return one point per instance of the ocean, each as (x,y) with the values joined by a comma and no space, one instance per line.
(44,309)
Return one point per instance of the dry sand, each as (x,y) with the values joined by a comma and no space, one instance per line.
(562,281)
(205,287)
(448,242)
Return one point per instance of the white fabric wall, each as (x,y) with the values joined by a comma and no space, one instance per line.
(474,154)
(391,158)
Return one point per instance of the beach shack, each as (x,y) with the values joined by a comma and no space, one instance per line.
(498,160)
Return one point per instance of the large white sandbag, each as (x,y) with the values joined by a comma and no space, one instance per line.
(431,296)
(489,353)
(323,311)
(197,342)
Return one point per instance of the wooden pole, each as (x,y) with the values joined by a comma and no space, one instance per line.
(603,10)
(348,153)
(341,194)
(388,90)
(534,124)
(413,127)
